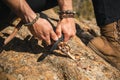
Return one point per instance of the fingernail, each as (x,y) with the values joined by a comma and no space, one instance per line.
(56,38)
(59,36)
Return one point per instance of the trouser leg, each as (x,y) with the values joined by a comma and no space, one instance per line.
(106,11)
(40,5)
(4,11)
(36,5)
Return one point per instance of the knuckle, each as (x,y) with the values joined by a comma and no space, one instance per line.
(46,34)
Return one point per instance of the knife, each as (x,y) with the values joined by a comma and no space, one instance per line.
(56,43)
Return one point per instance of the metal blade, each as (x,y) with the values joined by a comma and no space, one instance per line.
(56,43)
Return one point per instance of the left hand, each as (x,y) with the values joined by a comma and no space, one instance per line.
(66,26)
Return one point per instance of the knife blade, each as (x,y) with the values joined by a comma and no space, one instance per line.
(56,43)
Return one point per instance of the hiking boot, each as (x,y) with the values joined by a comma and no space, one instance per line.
(108,44)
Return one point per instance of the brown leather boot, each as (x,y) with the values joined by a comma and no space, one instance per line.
(108,45)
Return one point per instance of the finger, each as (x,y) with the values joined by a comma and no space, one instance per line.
(47,39)
(54,36)
(58,31)
(66,37)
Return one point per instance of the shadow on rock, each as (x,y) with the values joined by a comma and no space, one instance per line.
(27,45)
(85,36)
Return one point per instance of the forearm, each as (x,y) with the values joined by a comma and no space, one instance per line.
(65,4)
(21,8)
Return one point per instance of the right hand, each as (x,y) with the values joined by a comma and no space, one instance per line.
(42,29)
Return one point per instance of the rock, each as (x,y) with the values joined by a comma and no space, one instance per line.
(24,59)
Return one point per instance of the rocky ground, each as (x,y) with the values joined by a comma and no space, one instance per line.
(26,58)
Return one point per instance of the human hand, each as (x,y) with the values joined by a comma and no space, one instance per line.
(66,27)
(42,29)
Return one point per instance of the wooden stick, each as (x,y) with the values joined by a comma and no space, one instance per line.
(16,29)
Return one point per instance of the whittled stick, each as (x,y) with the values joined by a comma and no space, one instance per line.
(65,48)
(16,29)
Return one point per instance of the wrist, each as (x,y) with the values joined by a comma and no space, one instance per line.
(25,12)
(32,20)
(29,17)
(66,14)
